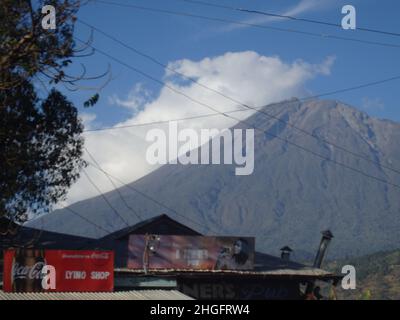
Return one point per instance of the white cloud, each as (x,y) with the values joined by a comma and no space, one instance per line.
(88,119)
(135,100)
(372,104)
(248,77)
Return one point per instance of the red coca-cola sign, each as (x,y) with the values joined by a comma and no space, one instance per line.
(35,270)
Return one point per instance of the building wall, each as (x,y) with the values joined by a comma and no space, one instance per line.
(241,289)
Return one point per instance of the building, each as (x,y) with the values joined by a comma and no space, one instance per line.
(271,278)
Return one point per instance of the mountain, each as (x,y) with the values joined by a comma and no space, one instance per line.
(292,194)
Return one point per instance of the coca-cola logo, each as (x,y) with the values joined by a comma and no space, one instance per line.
(20,271)
(99,259)
(99,255)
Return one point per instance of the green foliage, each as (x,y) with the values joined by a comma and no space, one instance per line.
(40,138)
(40,150)
(366,295)
(26,48)
(92,101)
(378,276)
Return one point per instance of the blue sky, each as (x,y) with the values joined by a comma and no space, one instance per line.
(170,38)
(255,66)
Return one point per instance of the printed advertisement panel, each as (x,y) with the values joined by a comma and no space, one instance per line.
(190,252)
(36,270)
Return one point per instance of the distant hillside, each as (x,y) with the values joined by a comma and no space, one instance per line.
(378,276)
(292,194)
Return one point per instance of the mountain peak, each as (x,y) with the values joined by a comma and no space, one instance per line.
(292,194)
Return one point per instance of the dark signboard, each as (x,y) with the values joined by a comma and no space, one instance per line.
(190,252)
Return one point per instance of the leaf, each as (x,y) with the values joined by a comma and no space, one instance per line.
(92,101)
(66,62)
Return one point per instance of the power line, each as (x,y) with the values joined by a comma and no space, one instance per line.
(254,25)
(146,75)
(239,120)
(158,62)
(275,15)
(322,156)
(107,232)
(162,121)
(143,194)
(129,186)
(115,188)
(105,198)
(86,219)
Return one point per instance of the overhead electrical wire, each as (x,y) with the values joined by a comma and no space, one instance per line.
(239,120)
(86,219)
(105,198)
(271,116)
(289,17)
(232,111)
(161,121)
(99,227)
(254,25)
(159,203)
(115,187)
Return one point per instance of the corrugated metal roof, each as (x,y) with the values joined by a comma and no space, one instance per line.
(306,271)
(120,295)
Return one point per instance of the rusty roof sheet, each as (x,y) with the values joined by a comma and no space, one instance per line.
(304,272)
(120,295)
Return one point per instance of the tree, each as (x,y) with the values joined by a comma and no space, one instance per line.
(40,137)
(40,150)
(366,295)
(27,49)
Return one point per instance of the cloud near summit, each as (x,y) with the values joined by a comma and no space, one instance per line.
(247,76)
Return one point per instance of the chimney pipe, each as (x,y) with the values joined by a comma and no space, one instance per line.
(285,253)
(325,240)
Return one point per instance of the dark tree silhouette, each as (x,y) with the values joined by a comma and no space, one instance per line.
(40,137)
(40,150)
(26,48)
